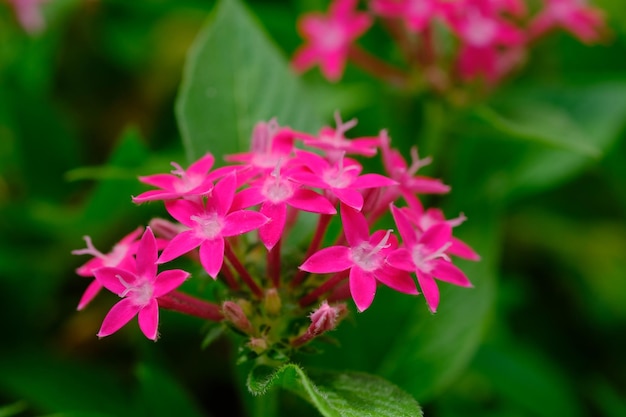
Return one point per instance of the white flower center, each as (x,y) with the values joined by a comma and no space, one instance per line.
(139,294)
(209,225)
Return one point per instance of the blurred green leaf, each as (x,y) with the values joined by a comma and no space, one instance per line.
(162,396)
(13,409)
(235,77)
(54,385)
(337,394)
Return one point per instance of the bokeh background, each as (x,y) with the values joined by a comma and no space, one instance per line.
(87,105)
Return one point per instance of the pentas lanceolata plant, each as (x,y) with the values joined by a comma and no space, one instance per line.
(28,14)
(234,221)
(490,38)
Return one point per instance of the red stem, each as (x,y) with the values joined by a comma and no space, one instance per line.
(377,67)
(241,270)
(229,277)
(273,264)
(187,304)
(322,226)
(324,288)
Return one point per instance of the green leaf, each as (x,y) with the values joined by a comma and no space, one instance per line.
(566,128)
(337,394)
(13,409)
(162,395)
(235,77)
(54,385)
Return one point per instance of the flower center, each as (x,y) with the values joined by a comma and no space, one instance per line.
(480,31)
(277,189)
(186,182)
(367,257)
(209,225)
(139,294)
(422,256)
(334,38)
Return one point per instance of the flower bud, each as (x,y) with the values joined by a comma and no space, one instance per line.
(235,315)
(324,319)
(257,345)
(272,302)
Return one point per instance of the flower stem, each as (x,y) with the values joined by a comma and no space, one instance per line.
(273,264)
(187,304)
(243,272)
(324,288)
(322,226)
(377,67)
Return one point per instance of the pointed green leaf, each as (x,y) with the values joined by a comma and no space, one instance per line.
(337,394)
(235,77)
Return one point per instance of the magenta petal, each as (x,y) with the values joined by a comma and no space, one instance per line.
(243,221)
(463,250)
(223,193)
(181,244)
(201,166)
(332,259)
(247,198)
(372,181)
(448,272)
(212,256)
(430,290)
(120,314)
(362,288)
(90,293)
(350,197)
(164,181)
(168,281)
(309,200)
(149,319)
(398,280)
(437,236)
(271,232)
(401,259)
(147,255)
(354,226)
(182,210)
(110,279)
(404,226)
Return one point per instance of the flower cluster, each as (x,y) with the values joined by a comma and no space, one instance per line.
(491,36)
(240,225)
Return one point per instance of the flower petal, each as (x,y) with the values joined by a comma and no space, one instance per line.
(448,272)
(90,293)
(223,193)
(404,227)
(201,166)
(149,319)
(396,279)
(354,226)
(182,210)
(181,244)
(309,200)
(120,314)
(332,259)
(430,289)
(271,232)
(435,237)
(147,255)
(243,221)
(110,279)
(362,288)
(350,197)
(168,281)
(212,256)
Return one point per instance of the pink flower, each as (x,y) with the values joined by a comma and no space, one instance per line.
(271,146)
(28,13)
(275,192)
(417,14)
(121,256)
(329,37)
(585,22)
(193,182)
(483,35)
(139,288)
(425,254)
(209,224)
(365,257)
(340,178)
(408,183)
(336,144)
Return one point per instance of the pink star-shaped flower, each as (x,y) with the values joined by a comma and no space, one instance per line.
(341,178)
(193,182)
(329,37)
(140,288)
(365,257)
(425,254)
(576,16)
(121,256)
(209,224)
(275,192)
